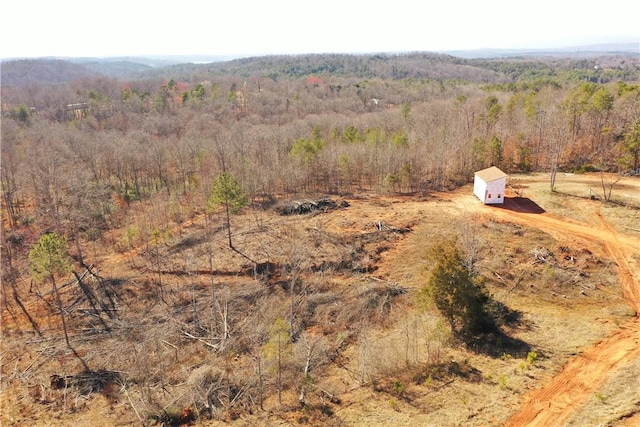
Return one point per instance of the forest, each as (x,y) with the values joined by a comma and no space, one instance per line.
(332,125)
(119,160)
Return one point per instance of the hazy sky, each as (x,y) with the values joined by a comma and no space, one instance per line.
(33,28)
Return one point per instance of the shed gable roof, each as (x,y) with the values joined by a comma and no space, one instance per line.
(490,174)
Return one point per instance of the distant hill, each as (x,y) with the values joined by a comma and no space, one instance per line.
(23,72)
(632,48)
(383,65)
(116,69)
(419,65)
(128,66)
(394,66)
(619,61)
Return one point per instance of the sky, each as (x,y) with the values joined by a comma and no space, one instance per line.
(73,28)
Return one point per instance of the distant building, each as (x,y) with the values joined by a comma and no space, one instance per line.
(76,111)
(489,185)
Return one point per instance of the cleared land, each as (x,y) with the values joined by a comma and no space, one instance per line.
(568,266)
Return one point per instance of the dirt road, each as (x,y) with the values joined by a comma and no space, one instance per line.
(555,401)
(581,377)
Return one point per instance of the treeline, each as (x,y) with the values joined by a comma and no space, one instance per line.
(422,65)
(75,156)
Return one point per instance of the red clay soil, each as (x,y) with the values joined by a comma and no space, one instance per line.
(555,401)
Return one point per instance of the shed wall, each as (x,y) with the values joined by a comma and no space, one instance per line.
(489,192)
(495,191)
(479,188)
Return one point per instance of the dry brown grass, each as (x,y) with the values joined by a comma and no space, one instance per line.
(358,272)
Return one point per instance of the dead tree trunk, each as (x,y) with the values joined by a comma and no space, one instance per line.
(64,324)
(16,298)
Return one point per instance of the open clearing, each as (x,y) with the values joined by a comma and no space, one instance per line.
(578,313)
(567,398)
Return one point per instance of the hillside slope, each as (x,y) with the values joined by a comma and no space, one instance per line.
(347,280)
(43,71)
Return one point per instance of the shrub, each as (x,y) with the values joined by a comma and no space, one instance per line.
(587,168)
(457,294)
(503,382)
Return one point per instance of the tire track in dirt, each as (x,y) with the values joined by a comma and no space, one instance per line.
(554,402)
(617,251)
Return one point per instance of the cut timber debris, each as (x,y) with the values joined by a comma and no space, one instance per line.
(86,382)
(543,255)
(382,226)
(301,207)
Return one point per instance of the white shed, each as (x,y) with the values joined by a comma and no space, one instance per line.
(489,184)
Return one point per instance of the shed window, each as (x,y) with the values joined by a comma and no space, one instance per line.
(489,195)
(499,196)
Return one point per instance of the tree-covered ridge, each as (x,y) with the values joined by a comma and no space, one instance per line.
(421,65)
(26,72)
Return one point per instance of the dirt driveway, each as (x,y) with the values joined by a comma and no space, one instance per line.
(559,399)
(554,402)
